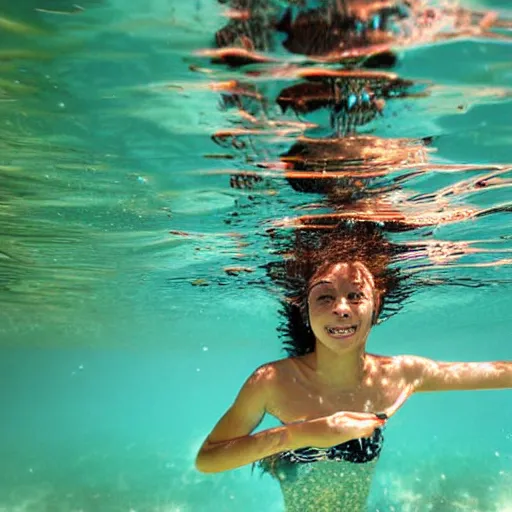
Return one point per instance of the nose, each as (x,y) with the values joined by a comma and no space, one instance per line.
(342,308)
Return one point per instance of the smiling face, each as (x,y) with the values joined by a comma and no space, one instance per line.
(341,303)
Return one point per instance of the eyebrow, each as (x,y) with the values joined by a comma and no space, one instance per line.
(358,284)
(318,283)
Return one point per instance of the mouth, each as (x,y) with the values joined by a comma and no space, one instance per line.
(341,332)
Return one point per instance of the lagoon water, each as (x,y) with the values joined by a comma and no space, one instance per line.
(123,337)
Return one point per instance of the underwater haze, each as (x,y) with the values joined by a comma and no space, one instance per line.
(134,292)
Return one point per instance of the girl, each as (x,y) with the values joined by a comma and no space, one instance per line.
(332,397)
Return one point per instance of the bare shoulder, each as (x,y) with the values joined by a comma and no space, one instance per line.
(268,375)
(275,378)
(263,376)
(412,368)
(384,365)
(407,367)
(274,370)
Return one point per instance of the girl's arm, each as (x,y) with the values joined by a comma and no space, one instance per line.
(429,375)
(231,444)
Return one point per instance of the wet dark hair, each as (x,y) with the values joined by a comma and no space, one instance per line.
(314,250)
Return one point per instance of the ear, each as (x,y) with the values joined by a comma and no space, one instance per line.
(376,310)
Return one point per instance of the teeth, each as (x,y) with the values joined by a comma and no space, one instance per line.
(341,330)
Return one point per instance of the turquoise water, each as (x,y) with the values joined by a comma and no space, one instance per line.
(124,340)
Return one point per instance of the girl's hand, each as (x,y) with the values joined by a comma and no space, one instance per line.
(343,426)
(337,428)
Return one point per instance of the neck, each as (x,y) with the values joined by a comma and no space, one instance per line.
(340,370)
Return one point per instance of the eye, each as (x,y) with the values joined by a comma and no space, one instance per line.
(355,296)
(325,298)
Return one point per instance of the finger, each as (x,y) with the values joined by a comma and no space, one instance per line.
(360,416)
(368,426)
(355,421)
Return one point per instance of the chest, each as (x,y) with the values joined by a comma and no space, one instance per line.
(297,399)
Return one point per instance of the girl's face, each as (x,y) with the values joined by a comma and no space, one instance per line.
(341,302)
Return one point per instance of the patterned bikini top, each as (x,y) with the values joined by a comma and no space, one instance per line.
(357,451)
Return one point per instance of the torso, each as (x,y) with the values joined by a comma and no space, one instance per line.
(298,396)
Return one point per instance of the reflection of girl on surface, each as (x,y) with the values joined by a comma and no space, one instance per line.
(331,396)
